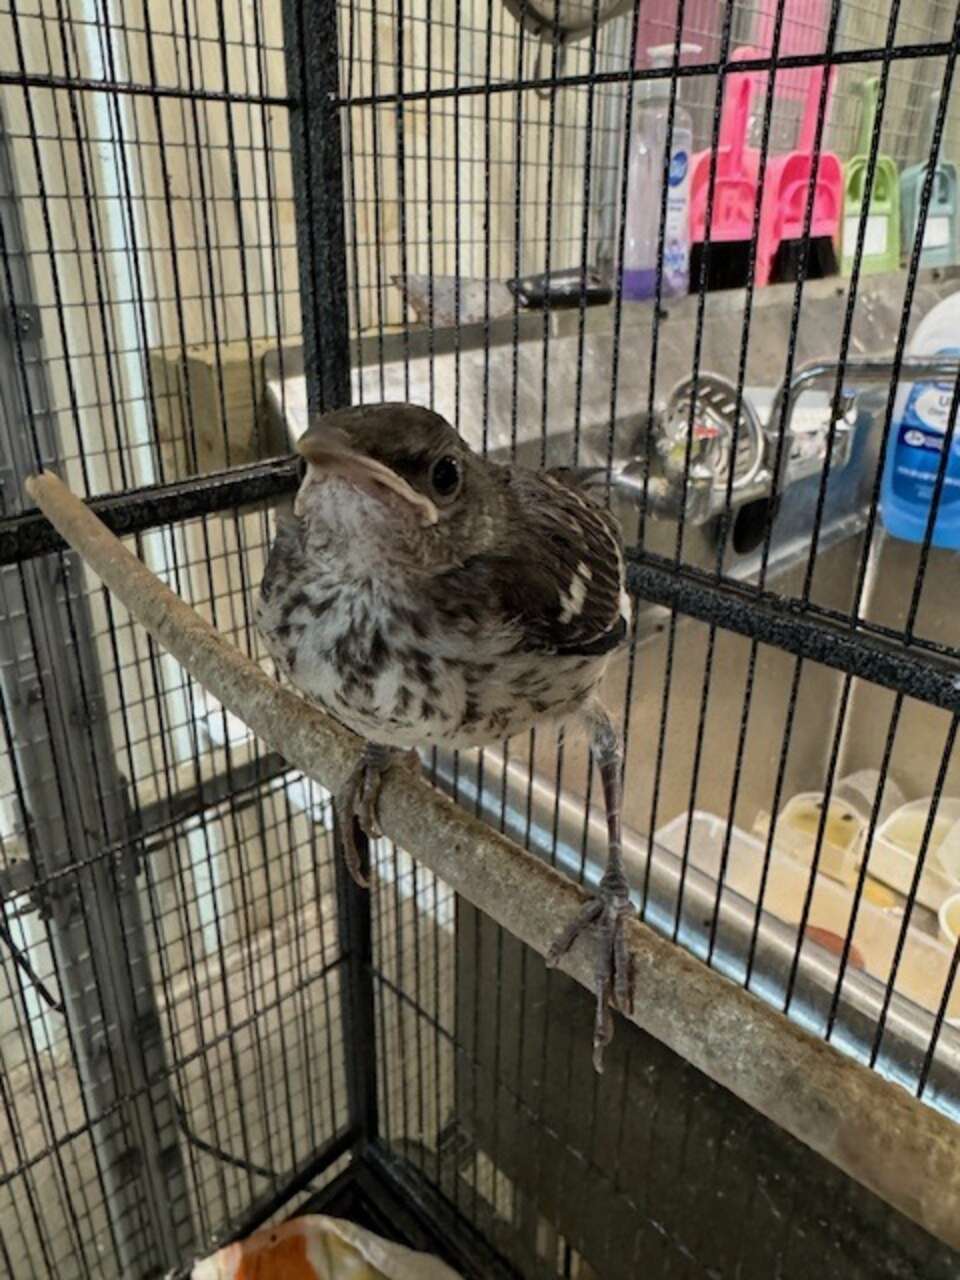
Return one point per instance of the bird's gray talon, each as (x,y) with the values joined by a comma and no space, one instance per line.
(623,971)
(357,800)
(344,806)
(351,854)
(602,1026)
(586,916)
(606,913)
(367,805)
(367,817)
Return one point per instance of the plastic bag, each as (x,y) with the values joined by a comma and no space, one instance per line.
(315,1247)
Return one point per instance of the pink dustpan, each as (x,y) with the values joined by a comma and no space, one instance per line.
(734,189)
(785,197)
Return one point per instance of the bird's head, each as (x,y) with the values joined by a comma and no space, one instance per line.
(396,482)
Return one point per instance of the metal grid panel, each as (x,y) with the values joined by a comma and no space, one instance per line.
(652,1169)
(149,243)
(440,187)
(155,222)
(171,1020)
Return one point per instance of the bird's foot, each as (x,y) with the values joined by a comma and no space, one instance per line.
(357,800)
(606,913)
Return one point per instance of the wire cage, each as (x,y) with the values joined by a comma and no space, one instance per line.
(216,219)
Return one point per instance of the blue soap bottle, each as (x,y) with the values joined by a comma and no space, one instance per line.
(920,422)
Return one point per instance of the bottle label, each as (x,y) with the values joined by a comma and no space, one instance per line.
(676,245)
(920,441)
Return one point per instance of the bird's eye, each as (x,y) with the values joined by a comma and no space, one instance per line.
(445,477)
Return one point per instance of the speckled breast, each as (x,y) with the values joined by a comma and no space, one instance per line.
(390,675)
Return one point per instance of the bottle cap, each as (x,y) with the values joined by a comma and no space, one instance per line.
(661,55)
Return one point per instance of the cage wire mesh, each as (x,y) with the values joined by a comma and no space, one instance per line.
(194,1027)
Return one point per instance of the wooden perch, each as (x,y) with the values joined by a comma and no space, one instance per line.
(901,1149)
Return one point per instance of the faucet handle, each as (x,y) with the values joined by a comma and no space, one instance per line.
(708,431)
(845,406)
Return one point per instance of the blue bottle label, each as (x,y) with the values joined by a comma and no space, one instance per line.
(678,168)
(676,247)
(920,440)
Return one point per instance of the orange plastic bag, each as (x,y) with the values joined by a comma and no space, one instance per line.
(315,1247)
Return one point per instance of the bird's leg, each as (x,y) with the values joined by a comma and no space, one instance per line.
(611,905)
(357,800)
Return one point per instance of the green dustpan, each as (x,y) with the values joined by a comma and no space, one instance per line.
(881,248)
(941,235)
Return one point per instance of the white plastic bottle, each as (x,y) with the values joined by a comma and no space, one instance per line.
(644,187)
(918,432)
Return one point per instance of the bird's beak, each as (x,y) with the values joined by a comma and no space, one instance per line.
(329,453)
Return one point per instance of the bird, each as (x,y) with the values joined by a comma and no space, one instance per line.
(425,595)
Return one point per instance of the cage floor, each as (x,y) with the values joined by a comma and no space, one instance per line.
(387,1195)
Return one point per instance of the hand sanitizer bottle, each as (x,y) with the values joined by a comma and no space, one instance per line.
(645,185)
(918,436)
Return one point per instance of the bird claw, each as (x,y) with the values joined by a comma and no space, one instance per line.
(357,800)
(614,971)
(366,808)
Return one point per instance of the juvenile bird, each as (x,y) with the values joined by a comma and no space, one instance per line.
(426,596)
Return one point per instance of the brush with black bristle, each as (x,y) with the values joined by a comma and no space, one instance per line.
(727,264)
(821,260)
(813,243)
(724,262)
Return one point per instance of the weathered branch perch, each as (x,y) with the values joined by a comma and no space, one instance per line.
(877,1133)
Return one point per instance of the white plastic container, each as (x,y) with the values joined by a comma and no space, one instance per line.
(648,145)
(843,832)
(948,919)
(925,963)
(860,790)
(893,857)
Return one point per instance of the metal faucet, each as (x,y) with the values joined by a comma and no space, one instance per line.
(695,475)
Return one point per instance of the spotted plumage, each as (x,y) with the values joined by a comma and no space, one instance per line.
(457,633)
(426,596)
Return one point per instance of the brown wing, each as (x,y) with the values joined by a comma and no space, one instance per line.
(558,573)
